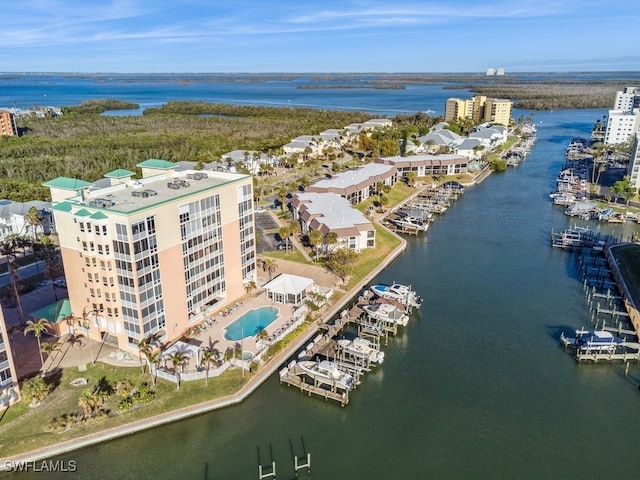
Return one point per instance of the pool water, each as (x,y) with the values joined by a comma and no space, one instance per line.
(250,323)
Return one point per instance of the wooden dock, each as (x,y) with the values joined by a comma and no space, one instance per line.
(292,375)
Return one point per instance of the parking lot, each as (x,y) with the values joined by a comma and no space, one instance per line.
(267,232)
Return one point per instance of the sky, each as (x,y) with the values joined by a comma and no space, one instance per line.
(199,36)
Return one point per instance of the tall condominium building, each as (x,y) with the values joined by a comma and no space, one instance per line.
(9,392)
(627,99)
(479,109)
(490,72)
(7,124)
(633,170)
(621,126)
(153,256)
(456,108)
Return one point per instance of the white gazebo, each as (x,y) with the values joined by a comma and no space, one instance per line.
(288,289)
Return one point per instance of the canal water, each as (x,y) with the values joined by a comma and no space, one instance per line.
(476,387)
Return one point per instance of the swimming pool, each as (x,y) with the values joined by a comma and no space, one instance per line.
(250,323)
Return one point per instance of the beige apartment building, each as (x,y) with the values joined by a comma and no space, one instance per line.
(155,255)
(479,109)
(7,124)
(9,391)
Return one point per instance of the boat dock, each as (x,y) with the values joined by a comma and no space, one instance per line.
(325,347)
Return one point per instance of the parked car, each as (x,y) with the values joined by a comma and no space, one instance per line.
(60,282)
(282,246)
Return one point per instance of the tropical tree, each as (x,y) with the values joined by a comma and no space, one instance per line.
(8,249)
(411,178)
(178,359)
(315,240)
(262,334)
(145,347)
(623,188)
(331,238)
(49,349)
(34,220)
(267,265)
(282,196)
(250,287)
(294,228)
(285,233)
(152,357)
(210,355)
(37,329)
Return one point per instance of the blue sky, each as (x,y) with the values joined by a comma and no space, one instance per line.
(318,36)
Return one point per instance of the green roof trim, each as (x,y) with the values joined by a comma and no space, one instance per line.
(54,312)
(82,213)
(62,207)
(66,183)
(119,173)
(99,216)
(158,164)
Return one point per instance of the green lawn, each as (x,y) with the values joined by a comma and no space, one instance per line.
(370,258)
(21,427)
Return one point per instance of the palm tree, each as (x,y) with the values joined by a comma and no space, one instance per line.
(262,335)
(229,354)
(209,355)
(152,357)
(38,328)
(285,233)
(8,249)
(331,238)
(49,349)
(178,359)
(315,239)
(294,228)
(34,220)
(144,348)
(250,287)
(268,265)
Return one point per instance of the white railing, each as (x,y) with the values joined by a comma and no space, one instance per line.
(190,376)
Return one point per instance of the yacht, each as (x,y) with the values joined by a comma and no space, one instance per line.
(396,291)
(328,373)
(386,313)
(361,347)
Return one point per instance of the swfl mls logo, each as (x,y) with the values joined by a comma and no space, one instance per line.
(43,466)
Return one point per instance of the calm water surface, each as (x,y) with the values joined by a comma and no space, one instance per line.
(476,386)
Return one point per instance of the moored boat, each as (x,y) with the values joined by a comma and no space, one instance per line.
(386,313)
(328,373)
(397,291)
(361,347)
(592,341)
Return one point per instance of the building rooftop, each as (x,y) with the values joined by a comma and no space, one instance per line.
(354,177)
(66,183)
(120,173)
(145,193)
(158,164)
(331,210)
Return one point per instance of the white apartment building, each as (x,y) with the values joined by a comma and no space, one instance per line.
(627,99)
(622,124)
(9,392)
(633,170)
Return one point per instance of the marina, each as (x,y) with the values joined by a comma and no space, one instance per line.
(332,367)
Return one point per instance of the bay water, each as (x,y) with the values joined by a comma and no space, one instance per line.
(476,387)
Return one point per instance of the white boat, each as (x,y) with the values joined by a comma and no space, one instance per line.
(386,313)
(411,223)
(588,341)
(363,348)
(396,291)
(328,373)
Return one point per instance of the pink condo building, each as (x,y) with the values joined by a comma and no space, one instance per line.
(154,255)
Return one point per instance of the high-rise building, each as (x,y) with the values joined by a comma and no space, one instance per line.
(500,72)
(155,255)
(627,99)
(479,109)
(633,170)
(9,392)
(7,124)
(490,72)
(621,126)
